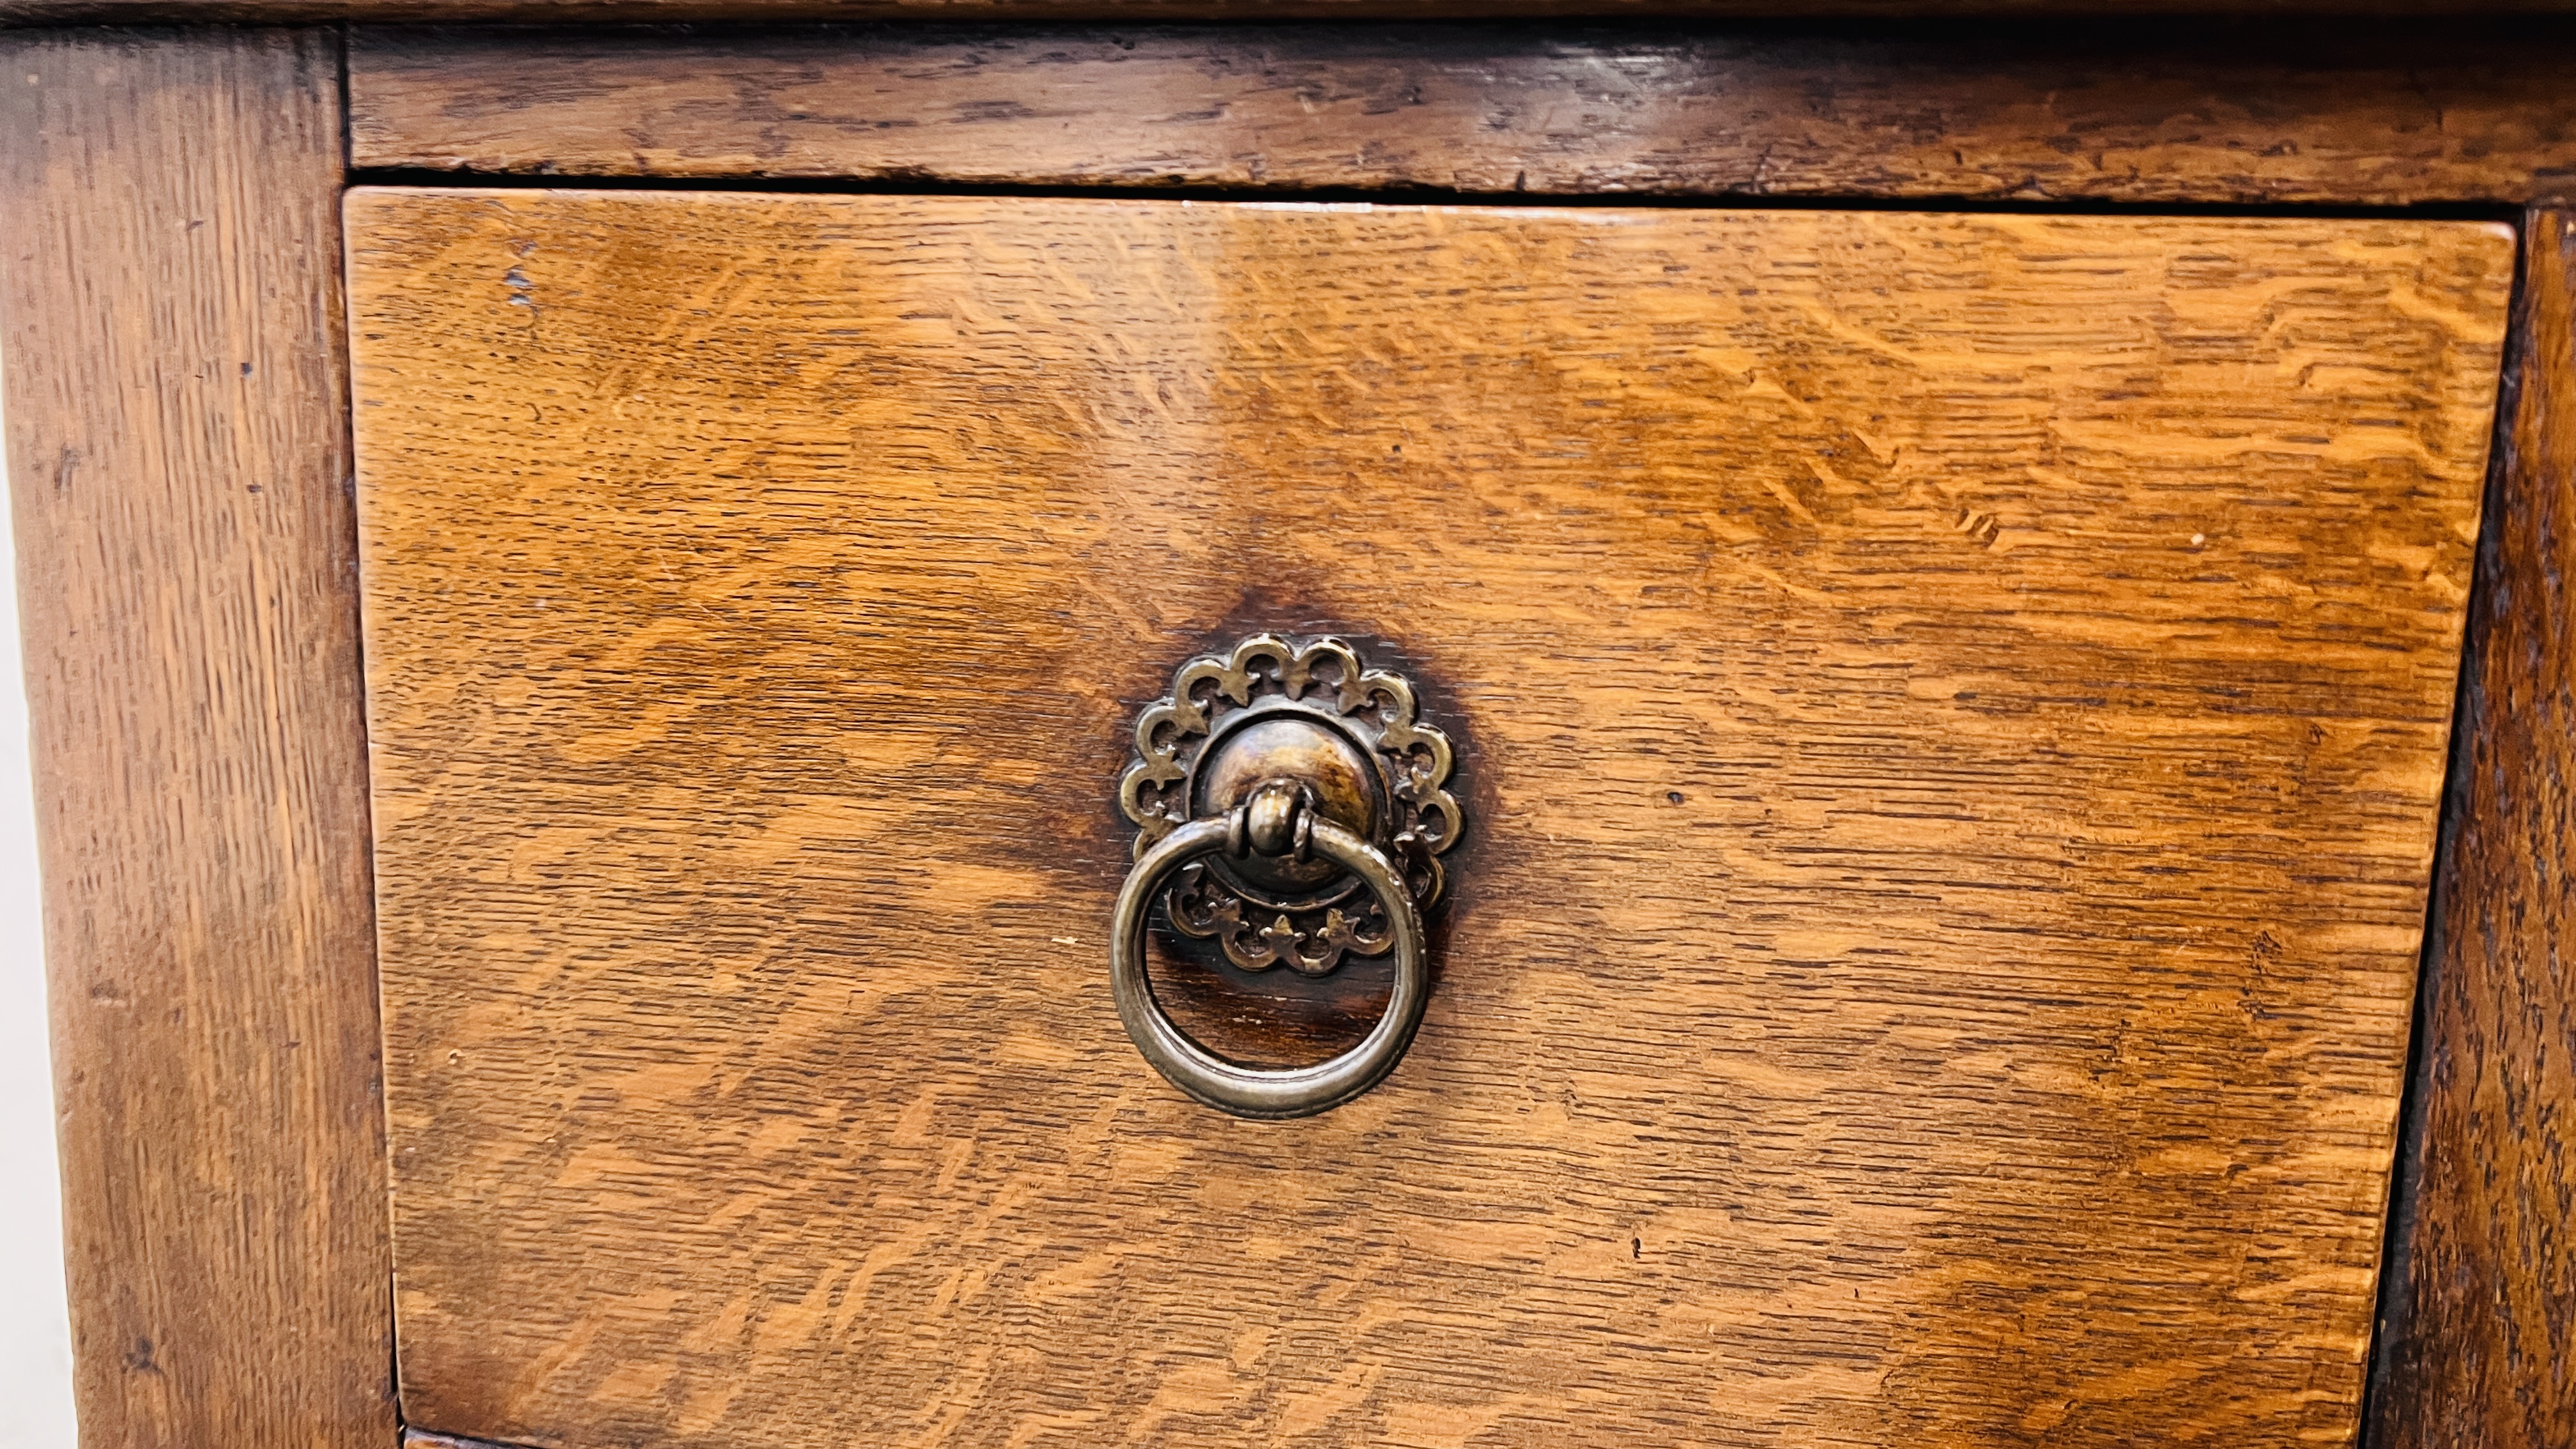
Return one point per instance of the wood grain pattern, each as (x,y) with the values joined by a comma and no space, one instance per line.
(2480,1344)
(647,12)
(177,446)
(1958,705)
(2386,115)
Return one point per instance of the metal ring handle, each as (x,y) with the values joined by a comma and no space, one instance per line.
(1250,1091)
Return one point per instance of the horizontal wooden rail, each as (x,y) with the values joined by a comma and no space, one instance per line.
(2394,116)
(629,12)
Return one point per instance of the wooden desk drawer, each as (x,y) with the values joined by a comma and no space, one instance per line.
(1951,711)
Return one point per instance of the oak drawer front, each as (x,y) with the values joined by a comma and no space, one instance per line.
(1954,708)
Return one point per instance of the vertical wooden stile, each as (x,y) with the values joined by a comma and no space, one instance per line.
(2478,1331)
(178,451)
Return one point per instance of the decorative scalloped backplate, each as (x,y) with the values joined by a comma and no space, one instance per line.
(1323,681)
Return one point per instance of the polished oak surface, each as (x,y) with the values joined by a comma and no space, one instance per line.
(178,464)
(2372,115)
(2335,14)
(2479,1342)
(1957,706)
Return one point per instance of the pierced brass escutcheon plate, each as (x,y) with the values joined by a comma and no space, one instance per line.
(1292,805)
(1314,713)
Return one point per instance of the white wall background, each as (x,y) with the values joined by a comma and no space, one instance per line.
(35,1337)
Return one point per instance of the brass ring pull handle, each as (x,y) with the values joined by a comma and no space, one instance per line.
(1291,809)
(1278,814)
